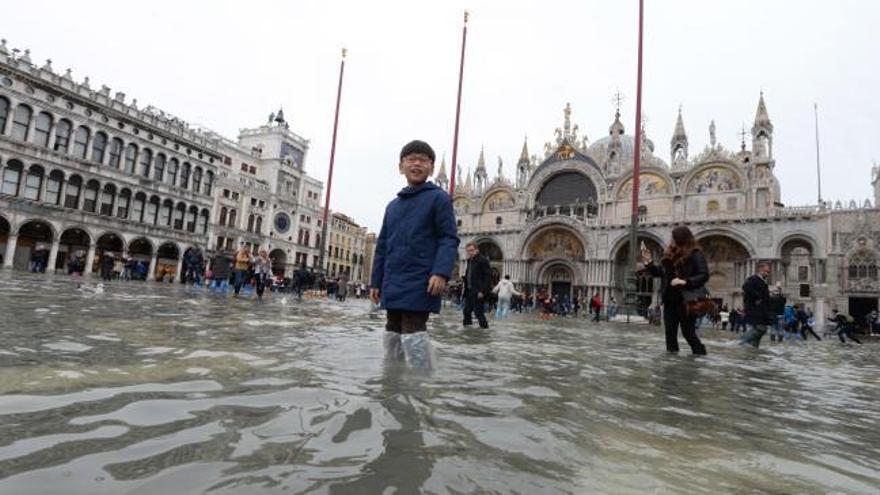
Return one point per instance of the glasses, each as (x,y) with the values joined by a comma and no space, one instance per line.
(416,158)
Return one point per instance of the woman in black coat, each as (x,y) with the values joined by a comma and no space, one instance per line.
(683,267)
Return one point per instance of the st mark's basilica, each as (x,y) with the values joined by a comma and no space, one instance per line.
(561,223)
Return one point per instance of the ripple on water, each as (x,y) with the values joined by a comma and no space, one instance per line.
(188,392)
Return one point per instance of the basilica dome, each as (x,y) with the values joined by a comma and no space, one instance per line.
(601,150)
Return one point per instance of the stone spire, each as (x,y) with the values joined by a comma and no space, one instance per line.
(481,177)
(762,118)
(524,154)
(441,180)
(615,147)
(762,132)
(679,142)
(616,129)
(875,181)
(523,165)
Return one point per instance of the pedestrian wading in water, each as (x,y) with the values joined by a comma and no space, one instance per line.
(758,308)
(415,253)
(477,284)
(683,268)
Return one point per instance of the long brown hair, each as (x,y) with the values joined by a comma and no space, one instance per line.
(682,245)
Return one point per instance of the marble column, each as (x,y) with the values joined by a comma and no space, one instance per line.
(90,260)
(31,125)
(53,127)
(151,272)
(178,274)
(53,256)
(9,256)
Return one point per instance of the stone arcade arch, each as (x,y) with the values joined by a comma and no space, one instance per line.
(108,244)
(167,262)
(491,250)
(279,260)
(798,267)
(74,242)
(140,252)
(729,264)
(556,245)
(648,291)
(33,244)
(557,277)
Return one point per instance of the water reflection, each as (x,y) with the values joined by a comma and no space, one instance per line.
(150,388)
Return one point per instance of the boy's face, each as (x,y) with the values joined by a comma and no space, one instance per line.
(417,167)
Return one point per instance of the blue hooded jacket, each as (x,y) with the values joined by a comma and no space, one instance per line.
(789,315)
(418,239)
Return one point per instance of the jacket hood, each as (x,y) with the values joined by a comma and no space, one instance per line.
(413,190)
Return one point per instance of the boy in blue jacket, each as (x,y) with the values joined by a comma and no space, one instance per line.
(415,253)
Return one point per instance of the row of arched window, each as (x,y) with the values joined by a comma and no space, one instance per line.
(228,216)
(863,265)
(73,192)
(61,136)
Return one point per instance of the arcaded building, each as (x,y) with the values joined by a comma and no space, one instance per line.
(88,172)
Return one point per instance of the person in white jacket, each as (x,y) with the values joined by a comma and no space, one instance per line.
(505,291)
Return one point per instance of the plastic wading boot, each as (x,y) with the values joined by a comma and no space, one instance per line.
(417,348)
(393,347)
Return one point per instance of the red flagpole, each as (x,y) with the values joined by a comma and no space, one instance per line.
(638,143)
(458,106)
(632,286)
(324,228)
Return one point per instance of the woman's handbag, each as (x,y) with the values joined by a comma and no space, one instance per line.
(697,302)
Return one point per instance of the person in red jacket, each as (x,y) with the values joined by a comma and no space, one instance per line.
(596,306)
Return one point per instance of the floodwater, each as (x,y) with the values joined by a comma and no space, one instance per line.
(162,389)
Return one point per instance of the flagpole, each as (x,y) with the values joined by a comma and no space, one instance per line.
(637,154)
(324,228)
(458,106)
(818,167)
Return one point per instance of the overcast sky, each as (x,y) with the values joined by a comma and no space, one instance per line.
(228,64)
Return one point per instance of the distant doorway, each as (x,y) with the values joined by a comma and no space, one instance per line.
(560,290)
(859,307)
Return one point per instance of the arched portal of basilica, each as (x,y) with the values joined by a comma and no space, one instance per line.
(727,259)
(555,254)
(647,290)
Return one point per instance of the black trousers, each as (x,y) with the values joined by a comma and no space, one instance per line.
(846,330)
(807,328)
(673,317)
(474,305)
(401,321)
(261,285)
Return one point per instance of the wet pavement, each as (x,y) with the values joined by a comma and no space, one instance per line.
(152,388)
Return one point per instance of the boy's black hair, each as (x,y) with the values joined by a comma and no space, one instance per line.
(417,147)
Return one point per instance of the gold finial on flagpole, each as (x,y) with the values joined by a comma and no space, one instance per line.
(344,52)
(466,14)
